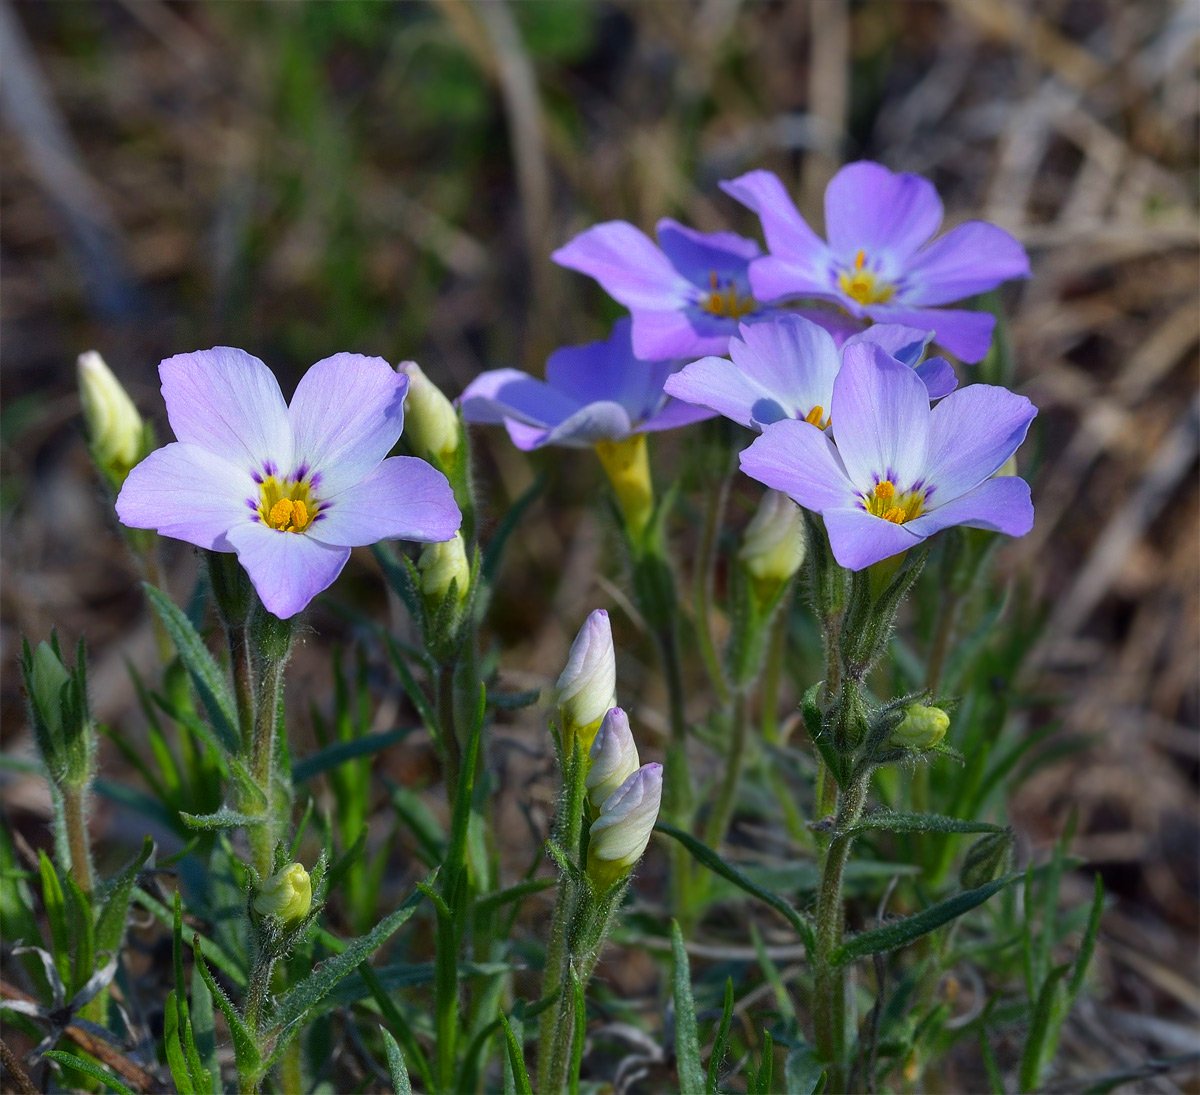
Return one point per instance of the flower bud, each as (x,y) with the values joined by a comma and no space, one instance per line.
(921,729)
(59,715)
(431,423)
(614,757)
(619,836)
(115,428)
(286,895)
(441,564)
(773,545)
(988,859)
(627,465)
(586,688)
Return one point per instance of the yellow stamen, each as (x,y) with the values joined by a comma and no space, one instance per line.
(885,503)
(813,418)
(863,285)
(286,507)
(859,259)
(726,303)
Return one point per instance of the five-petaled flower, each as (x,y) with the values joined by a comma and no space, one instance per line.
(785,367)
(289,488)
(686,295)
(879,262)
(896,470)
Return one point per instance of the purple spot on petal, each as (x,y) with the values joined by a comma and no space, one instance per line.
(315,481)
(319,517)
(256,477)
(269,467)
(256,519)
(251,504)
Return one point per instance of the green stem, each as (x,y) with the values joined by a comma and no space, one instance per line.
(448,729)
(74,805)
(706,559)
(257,991)
(722,814)
(773,676)
(243,680)
(829,989)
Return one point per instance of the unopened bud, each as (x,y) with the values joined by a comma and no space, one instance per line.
(619,836)
(921,729)
(431,424)
(587,686)
(444,563)
(115,429)
(58,709)
(614,757)
(988,859)
(773,545)
(286,895)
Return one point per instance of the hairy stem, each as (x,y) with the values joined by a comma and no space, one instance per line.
(75,804)
(722,813)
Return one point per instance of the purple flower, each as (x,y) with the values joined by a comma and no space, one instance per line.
(785,368)
(899,471)
(593,393)
(291,489)
(879,261)
(686,295)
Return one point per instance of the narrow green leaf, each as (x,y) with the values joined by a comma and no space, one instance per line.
(83,934)
(207,676)
(720,1041)
(708,858)
(763,1081)
(203,1034)
(1041,1042)
(55,902)
(416,1057)
(395,1059)
(332,756)
(245,1046)
(902,932)
(687,1040)
(325,975)
(890,821)
(514,893)
(990,1066)
(1087,945)
(409,684)
(803,1072)
(88,1068)
(771,972)
(512,518)
(174,1048)
(110,924)
(516,1059)
(224,818)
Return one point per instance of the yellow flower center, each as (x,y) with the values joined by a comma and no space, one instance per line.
(883,501)
(725,301)
(286,507)
(816,417)
(862,285)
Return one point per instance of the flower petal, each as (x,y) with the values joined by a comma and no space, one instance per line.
(1002,504)
(717,384)
(969,259)
(625,261)
(288,569)
(880,418)
(608,371)
(967,335)
(402,499)
(905,344)
(938,376)
(346,415)
(801,257)
(858,539)
(696,255)
(798,459)
(227,401)
(500,394)
(881,212)
(188,493)
(971,433)
(684,332)
(673,414)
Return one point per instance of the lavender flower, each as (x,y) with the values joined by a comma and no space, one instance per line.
(879,262)
(785,368)
(686,295)
(899,471)
(290,489)
(594,393)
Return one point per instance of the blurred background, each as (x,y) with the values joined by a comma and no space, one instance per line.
(390,178)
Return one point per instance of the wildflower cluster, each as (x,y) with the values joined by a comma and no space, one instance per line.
(825,367)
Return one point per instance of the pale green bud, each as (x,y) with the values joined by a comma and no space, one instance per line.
(614,757)
(286,895)
(431,425)
(441,564)
(922,728)
(987,859)
(773,545)
(586,688)
(47,677)
(619,836)
(115,428)
(58,709)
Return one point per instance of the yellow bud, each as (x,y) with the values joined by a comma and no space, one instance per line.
(286,895)
(773,545)
(430,421)
(922,728)
(114,426)
(443,563)
(627,465)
